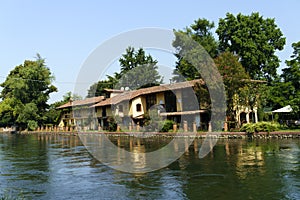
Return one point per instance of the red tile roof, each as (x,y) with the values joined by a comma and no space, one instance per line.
(87,101)
(127,95)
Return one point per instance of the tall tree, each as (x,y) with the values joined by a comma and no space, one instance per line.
(138,70)
(200,32)
(25,93)
(235,80)
(291,77)
(255,40)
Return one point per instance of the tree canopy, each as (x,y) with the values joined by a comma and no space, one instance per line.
(255,40)
(200,32)
(235,79)
(138,70)
(291,76)
(25,94)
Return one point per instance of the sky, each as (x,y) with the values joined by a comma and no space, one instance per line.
(66,32)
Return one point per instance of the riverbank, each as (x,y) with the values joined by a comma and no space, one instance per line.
(229,135)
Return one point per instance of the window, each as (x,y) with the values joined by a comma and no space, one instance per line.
(138,107)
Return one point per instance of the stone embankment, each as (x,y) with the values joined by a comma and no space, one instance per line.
(226,135)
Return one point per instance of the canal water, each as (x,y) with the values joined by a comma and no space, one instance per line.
(41,166)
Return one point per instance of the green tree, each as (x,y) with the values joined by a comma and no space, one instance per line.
(138,70)
(235,79)
(98,89)
(25,93)
(197,56)
(200,32)
(291,77)
(280,93)
(255,40)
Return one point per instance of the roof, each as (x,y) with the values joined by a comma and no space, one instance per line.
(87,101)
(113,90)
(285,109)
(127,95)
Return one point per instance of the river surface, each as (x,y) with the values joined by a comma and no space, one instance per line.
(41,166)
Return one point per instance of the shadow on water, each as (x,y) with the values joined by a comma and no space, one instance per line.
(41,166)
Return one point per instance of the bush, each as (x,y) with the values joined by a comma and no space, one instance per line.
(112,125)
(167,125)
(260,127)
(32,125)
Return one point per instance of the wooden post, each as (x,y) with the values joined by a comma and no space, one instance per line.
(185,126)
(130,127)
(194,127)
(209,127)
(225,126)
(174,128)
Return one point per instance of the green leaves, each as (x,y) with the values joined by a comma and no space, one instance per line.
(200,32)
(25,93)
(137,70)
(291,76)
(255,40)
(234,78)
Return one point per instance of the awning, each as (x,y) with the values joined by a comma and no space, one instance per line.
(183,113)
(285,109)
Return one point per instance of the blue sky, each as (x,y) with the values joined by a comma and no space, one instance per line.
(66,32)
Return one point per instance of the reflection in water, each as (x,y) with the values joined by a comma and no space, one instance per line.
(59,167)
(144,154)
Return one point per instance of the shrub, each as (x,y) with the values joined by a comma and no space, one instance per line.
(112,125)
(32,125)
(167,125)
(260,127)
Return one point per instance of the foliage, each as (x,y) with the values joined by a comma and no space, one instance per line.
(285,90)
(200,32)
(192,51)
(112,125)
(280,94)
(98,89)
(235,79)
(138,70)
(291,76)
(255,40)
(260,127)
(32,125)
(167,125)
(25,93)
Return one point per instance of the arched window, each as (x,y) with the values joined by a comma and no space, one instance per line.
(138,107)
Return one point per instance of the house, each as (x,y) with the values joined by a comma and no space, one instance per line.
(176,101)
(78,113)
